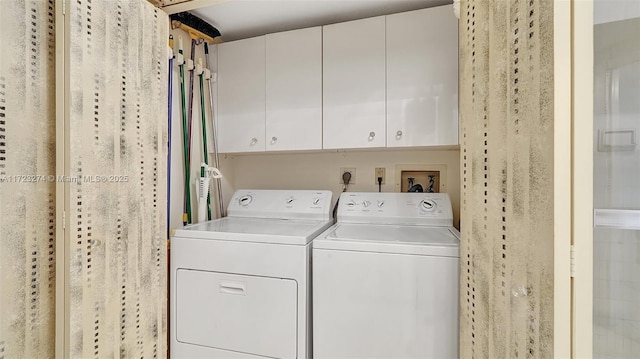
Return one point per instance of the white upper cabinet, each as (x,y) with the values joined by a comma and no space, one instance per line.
(386,81)
(241,95)
(354,84)
(294,90)
(422,78)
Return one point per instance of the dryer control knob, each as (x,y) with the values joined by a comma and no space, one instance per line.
(351,203)
(427,205)
(316,201)
(290,200)
(366,203)
(380,203)
(245,200)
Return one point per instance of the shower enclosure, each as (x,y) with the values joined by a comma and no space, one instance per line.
(616,179)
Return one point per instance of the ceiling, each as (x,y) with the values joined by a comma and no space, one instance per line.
(239,19)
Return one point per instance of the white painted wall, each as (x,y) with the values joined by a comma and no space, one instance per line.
(321,170)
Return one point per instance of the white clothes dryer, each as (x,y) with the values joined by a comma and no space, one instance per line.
(385,279)
(240,285)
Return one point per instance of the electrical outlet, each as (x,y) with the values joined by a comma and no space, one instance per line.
(352,170)
(380,172)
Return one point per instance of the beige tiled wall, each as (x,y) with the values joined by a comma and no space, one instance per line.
(506,100)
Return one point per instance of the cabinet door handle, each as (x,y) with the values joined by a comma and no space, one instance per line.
(253,141)
(398,135)
(274,139)
(372,135)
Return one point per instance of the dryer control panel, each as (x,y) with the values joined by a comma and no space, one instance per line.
(429,209)
(285,204)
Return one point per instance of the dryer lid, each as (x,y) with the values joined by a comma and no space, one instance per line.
(393,239)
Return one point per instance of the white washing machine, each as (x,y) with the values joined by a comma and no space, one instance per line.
(385,279)
(240,285)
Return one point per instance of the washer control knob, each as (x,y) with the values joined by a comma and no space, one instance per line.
(427,205)
(351,203)
(366,203)
(245,200)
(380,204)
(316,201)
(290,200)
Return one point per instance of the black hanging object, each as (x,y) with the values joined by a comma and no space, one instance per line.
(196,23)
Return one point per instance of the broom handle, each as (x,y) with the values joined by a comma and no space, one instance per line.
(216,157)
(190,118)
(186,213)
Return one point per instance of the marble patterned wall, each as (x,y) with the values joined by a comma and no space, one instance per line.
(27,182)
(117,179)
(506,114)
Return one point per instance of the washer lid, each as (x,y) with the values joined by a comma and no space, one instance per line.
(417,240)
(263,230)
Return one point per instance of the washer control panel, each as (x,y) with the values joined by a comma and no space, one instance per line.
(281,204)
(396,208)
(245,200)
(428,205)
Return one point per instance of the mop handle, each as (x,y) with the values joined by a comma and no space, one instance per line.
(204,130)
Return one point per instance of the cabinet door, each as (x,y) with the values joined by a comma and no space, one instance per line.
(354,84)
(294,90)
(241,95)
(422,78)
